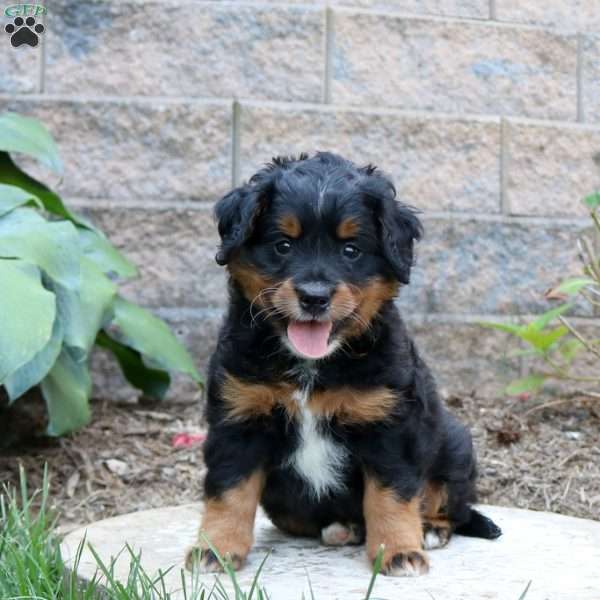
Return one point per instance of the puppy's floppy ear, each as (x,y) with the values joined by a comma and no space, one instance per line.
(400,227)
(237,213)
(398,224)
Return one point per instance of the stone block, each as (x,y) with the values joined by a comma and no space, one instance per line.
(551,168)
(174,251)
(438,65)
(437,163)
(124,150)
(19,67)
(575,15)
(182,48)
(590,77)
(476,9)
(464,357)
(495,266)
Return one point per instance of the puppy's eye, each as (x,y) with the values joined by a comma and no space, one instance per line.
(284,247)
(351,251)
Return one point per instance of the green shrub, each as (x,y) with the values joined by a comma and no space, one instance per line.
(551,338)
(59,294)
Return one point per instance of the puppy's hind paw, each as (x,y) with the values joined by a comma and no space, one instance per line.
(411,563)
(337,534)
(435,537)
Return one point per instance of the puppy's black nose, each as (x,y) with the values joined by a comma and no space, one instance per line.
(314,297)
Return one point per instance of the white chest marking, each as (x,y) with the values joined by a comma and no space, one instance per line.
(318,459)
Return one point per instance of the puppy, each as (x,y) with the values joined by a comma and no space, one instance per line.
(318,403)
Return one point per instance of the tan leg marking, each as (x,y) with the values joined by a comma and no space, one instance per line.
(228,523)
(396,524)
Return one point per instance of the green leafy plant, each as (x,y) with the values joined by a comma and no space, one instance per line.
(59,294)
(554,340)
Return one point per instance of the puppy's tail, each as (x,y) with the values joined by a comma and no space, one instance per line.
(479,526)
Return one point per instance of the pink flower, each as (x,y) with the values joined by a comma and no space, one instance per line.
(187,440)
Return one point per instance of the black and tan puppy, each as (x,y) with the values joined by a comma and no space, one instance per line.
(319,406)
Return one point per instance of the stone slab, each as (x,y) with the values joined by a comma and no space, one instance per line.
(558,554)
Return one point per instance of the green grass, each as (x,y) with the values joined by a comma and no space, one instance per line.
(31,566)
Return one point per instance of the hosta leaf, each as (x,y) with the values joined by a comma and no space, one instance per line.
(11,174)
(150,336)
(29,136)
(12,197)
(543,340)
(27,313)
(106,257)
(531,383)
(152,382)
(85,311)
(571,287)
(67,389)
(53,246)
(31,373)
(592,201)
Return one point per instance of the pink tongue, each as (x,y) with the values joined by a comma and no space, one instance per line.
(309,337)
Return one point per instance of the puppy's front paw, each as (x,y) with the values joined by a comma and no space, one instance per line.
(410,563)
(204,560)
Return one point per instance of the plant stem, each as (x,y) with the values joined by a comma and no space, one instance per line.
(580,337)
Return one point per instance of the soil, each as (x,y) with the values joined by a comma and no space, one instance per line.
(132,458)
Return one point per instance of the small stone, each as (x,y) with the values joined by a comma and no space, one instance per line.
(573,435)
(116,466)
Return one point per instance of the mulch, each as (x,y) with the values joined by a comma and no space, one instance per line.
(133,458)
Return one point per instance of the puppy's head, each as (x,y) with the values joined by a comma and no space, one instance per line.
(317,246)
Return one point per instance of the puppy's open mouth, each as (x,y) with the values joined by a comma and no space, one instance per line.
(310,338)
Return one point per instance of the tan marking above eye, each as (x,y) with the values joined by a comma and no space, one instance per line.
(347,229)
(290,225)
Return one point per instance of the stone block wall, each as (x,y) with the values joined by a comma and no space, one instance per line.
(485,112)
